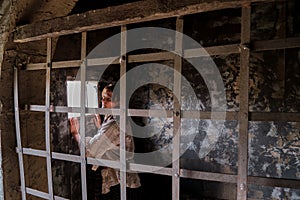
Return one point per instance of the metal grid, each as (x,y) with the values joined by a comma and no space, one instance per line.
(244,108)
(243,116)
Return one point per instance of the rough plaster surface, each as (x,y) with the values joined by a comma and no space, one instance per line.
(11,12)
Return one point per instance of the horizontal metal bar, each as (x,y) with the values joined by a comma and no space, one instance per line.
(43,195)
(188,53)
(276,44)
(66,64)
(36,66)
(274,182)
(40,108)
(211,51)
(102,61)
(66,157)
(65,109)
(269,116)
(227,178)
(103,162)
(148,57)
(150,113)
(34,152)
(150,169)
(159,56)
(59,198)
(209,115)
(37,193)
(103,111)
(254,116)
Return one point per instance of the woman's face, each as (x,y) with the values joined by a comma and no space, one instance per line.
(107,99)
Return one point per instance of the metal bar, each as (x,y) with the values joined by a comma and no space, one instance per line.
(191,114)
(244,100)
(281,67)
(82,116)
(188,53)
(60,109)
(277,44)
(103,111)
(59,198)
(184,173)
(36,66)
(274,182)
(269,116)
(212,51)
(150,169)
(66,157)
(177,110)
(123,113)
(159,56)
(102,61)
(37,193)
(47,118)
(18,134)
(150,113)
(42,195)
(65,109)
(194,114)
(35,152)
(39,108)
(149,57)
(66,64)
(103,162)
(226,178)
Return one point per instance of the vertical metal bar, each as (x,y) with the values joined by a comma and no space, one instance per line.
(281,65)
(177,111)
(244,108)
(82,115)
(47,118)
(18,134)
(123,112)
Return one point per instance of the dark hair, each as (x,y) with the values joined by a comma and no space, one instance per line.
(110,87)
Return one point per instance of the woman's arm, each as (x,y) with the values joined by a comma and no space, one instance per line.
(74,128)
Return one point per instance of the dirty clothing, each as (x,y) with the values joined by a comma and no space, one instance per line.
(106,145)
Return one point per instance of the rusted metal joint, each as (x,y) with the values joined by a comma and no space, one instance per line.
(242,186)
(243,47)
(49,65)
(51,108)
(176,113)
(246,3)
(122,60)
(18,150)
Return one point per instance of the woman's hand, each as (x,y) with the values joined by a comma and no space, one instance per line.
(97,121)
(74,128)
